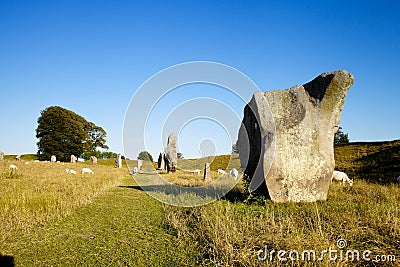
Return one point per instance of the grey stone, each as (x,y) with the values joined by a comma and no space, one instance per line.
(1,155)
(207,172)
(139,164)
(118,161)
(73,159)
(93,159)
(171,156)
(286,137)
(53,158)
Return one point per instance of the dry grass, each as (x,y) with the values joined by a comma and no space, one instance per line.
(41,192)
(230,232)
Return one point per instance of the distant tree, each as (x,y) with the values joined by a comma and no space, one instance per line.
(144,155)
(341,138)
(63,133)
(180,155)
(235,150)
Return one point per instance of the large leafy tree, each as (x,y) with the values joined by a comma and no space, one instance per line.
(63,133)
(145,155)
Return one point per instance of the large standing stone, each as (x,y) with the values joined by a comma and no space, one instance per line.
(286,138)
(118,161)
(171,157)
(1,155)
(73,159)
(53,158)
(207,172)
(161,161)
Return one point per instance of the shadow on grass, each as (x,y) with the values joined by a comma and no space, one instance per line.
(131,187)
(382,167)
(6,261)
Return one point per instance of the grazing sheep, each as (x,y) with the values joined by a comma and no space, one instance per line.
(234,173)
(12,167)
(18,158)
(341,176)
(27,163)
(87,170)
(72,171)
(196,171)
(221,171)
(67,170)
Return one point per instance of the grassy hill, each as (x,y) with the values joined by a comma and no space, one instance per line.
(375,162)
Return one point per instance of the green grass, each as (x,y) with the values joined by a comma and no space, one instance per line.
(123,227)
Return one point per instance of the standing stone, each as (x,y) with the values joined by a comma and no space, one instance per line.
(207,172)
(1,155)
(286,137)
(73,159)
(161,161)
(139,164)
(171,157)
(118,161)
(53,158)
(93,159)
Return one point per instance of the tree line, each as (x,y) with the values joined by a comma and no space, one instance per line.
(62,132)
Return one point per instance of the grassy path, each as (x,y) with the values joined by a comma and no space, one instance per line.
(123,227)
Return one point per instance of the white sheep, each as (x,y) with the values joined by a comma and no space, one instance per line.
(221,171)
(196,171)
(87,170)
(341,176)
(13,167)
(67,170)
(234,173)
(71,171)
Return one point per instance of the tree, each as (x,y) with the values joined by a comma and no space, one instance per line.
(180,155)
(341,138)
(144,155)
(63,133)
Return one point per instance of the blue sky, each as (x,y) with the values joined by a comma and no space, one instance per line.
(91,56)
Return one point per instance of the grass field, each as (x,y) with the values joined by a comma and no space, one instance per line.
(50,218)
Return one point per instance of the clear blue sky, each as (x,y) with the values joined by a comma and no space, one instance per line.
(91,56)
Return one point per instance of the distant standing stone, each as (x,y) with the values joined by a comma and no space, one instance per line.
(171,156)
(161,161)
(73,159)
(207,172)
(139,164)
(118,161)
(53,158)
(93,159)
(1,155)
